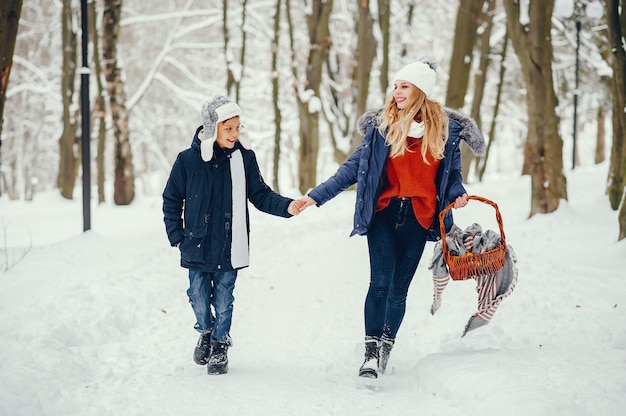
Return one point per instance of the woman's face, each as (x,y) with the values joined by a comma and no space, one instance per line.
(404,93)
(228,132)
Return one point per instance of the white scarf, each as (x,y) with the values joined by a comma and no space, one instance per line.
(416,130)
(239,249)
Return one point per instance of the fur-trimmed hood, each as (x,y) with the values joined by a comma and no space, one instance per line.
(469,130)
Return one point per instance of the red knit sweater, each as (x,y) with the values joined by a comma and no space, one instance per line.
(409,176)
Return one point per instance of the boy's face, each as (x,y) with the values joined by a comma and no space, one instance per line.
(228,132)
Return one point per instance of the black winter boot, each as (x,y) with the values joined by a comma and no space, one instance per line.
(369,368)
(203,349)
(386,344)
(218,361)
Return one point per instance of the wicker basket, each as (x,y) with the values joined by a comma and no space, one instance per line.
(472,265)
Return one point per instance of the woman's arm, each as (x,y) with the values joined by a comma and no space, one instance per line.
(345,177)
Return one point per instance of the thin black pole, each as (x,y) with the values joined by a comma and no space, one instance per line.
(576,87)
(84,107)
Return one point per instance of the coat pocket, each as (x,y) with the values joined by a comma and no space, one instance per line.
(192,248)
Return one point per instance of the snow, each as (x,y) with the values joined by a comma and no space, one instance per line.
(98,323)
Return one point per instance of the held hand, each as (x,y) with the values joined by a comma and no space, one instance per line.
(308,202)
(296,207)
(461,201)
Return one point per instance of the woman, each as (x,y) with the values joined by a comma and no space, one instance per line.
(407,169)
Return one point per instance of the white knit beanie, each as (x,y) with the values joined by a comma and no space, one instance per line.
(421,74)
(216,109)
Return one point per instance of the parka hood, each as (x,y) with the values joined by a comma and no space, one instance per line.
(469,130)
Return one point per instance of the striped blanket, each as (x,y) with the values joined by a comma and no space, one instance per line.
(492,288)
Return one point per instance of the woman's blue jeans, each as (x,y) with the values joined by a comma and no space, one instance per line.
(211,298)
(396,242)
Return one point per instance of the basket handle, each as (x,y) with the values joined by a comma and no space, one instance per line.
(442,227)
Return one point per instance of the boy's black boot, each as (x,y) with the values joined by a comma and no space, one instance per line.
(386,344)
(369,368)
(218,361)
(203,349)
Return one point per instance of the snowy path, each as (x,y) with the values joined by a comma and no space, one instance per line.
(99,324)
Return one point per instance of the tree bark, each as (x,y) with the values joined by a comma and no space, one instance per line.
(409,22)
(617,168)
(496,107)
(230,76)
(384,16)
(467,21)
(480,78)
(617,174)
(366,52)
(99,110)
(275,95)
(9,22)
(532,42)
(600,142)
(242,56)
(465,35)
(124,190)
(69,141)
(307,94)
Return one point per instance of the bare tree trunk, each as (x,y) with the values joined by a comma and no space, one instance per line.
(307,92)
(533,44)
(600,146)
(9,22)
(384,15)
(124,191)
(617,174)
(99,110)
(275,91)
(230,75)
(480,78)
(234,73)
(366,52)
(69,140)
(467,22)
(617,169)
(409,23)
(496,107)
(465,35)
(242,59)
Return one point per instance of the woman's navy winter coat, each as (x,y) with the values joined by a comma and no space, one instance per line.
(366,168)
(197,205)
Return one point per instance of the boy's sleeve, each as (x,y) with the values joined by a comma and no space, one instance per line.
(173,200)
(260,194)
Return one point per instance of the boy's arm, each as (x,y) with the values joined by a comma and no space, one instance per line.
(260,194)
(173,200)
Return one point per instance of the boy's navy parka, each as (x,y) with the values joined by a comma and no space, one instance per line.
(366,168)
(197,204)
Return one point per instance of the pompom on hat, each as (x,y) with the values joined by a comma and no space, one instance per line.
(215,110)
(421,74)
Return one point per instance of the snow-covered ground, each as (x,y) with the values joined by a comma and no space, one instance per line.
(98,323)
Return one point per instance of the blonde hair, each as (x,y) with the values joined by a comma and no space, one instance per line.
(398,122)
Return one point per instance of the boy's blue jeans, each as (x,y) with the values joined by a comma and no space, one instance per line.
(211,298)
(396,242)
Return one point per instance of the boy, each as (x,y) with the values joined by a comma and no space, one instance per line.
(206,216)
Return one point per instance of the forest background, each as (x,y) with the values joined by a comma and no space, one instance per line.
(543,78)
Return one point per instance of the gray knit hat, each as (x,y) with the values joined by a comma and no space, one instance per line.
(216,109)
